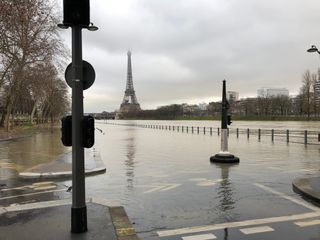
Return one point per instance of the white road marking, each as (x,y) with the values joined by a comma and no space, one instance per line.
(209,182)
(256,230)
(197,179)
(170,187)
(252,222)
(292,199)
(30,194)
(307,223)
(200,237)
(34,186)
(163,188)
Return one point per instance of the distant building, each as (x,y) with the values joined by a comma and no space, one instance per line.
(232,96)
(272,92)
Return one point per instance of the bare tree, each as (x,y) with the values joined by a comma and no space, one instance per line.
(28,36)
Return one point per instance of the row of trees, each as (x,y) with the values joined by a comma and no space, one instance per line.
(305,105)
(31,51)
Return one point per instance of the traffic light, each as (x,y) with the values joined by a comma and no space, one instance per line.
(76,12)
(229,120)
(88,131)
(66,131)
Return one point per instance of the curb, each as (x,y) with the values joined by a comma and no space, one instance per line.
(122,224)
(303,187)
(54,175)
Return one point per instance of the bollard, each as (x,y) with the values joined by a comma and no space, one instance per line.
(169,128)
(218,131)
(172,128)
(287,135)
(272,135)
(178,128)
(204,130)
(192,129)
(237,132)
(182,129)
(248,133)
(305,137)
(228,132)
(259,134)
(198,130)
(211,131)
(187,129)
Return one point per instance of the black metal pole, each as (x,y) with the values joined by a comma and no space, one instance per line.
(78,209)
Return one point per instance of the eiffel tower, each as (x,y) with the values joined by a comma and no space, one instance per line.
(130,102)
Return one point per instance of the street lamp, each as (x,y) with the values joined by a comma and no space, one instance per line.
(317,84)
(313,49)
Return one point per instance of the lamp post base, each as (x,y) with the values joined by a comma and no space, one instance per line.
(224,157)
(79,220)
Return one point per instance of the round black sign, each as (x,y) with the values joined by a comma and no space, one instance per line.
(88,75)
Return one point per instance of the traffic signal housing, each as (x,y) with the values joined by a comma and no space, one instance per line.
(66,131)
(76,13)
(229,120)
(88,131)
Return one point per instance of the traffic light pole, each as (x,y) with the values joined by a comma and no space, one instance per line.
(224,156)
(78,209)
(224,119)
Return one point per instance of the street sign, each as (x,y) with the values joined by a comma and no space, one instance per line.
(88,75)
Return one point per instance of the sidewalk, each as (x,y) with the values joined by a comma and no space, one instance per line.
(52,220)
(62,167)
(308,188)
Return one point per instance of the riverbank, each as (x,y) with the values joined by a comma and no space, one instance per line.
(234,118)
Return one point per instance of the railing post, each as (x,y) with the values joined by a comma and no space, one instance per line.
(237,132)
(306,137)
(259,134)
(248,133)
(204,130)
(187,129)
(192,129)
(198,130)
(182,128)
(218,131)
(211,131)
(287,135)
(272,135)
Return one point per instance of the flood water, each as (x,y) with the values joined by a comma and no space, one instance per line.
(165,180)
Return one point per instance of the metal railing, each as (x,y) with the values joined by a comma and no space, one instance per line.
(289,136)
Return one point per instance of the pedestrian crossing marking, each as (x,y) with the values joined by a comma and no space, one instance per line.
(256,230)
(308,223)
(200,237)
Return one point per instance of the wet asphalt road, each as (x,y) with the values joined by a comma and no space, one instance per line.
(171,191)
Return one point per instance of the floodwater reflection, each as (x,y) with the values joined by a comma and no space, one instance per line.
(130,157)
(225,190)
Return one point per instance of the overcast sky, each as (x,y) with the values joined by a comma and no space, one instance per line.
(183,49)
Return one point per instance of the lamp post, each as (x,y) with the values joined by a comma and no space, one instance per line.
(317,84)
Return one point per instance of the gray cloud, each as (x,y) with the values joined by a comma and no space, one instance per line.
(183,49)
